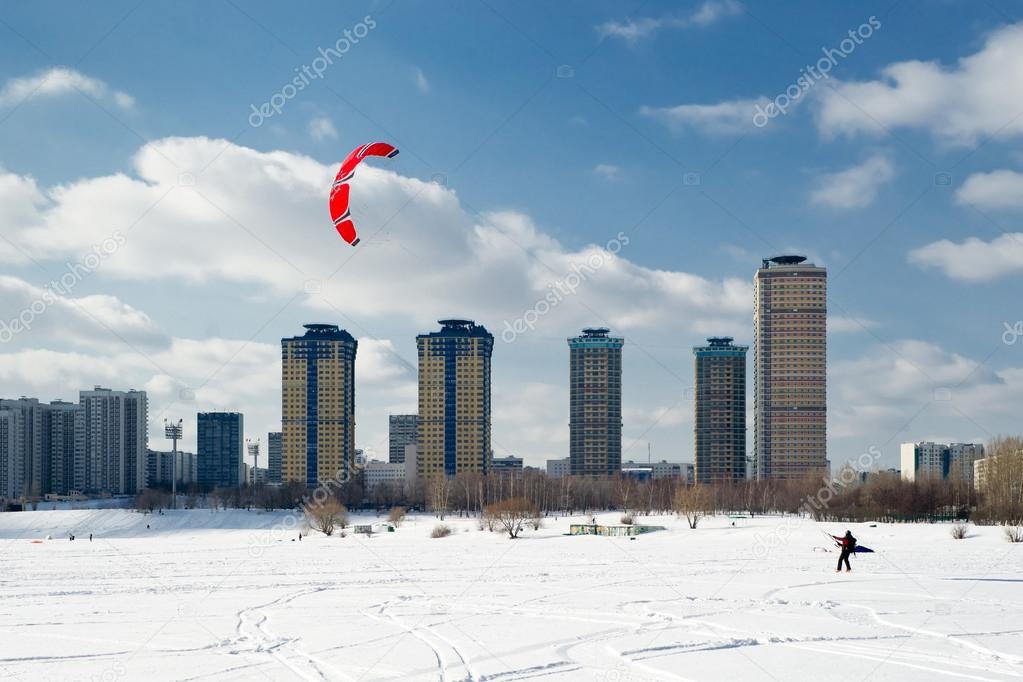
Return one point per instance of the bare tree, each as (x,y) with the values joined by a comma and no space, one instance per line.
(691,502)
(440,492)
(625,487)
(1003,482)
(396,516)
(511,515)
(150,500)
(326,515)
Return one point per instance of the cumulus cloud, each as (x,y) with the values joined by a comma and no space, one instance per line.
(634,30)
(854,187)
(973,259)
(257,218)
(926,389)
(322,129)
(59,81)
(723,118)
(1000,189)
(977,97)
(29,312)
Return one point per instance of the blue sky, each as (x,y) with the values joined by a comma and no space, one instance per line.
(135,117)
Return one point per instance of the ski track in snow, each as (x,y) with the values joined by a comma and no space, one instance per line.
(252,628)
(678,605)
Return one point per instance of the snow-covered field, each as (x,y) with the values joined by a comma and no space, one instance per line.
(230,596)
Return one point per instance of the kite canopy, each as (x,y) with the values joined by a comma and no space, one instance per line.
(340,191)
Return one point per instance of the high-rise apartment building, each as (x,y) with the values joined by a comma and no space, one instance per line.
(116,436)
(790,368)
(595,403)
(939,461)
(220,443)
(22,456)
(401,430)
(454,399)
(720,424)
(39,447)
(273,458)
(318,405)
(163,466)
(64,431)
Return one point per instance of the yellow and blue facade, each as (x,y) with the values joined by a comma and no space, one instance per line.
(318,405)
(454,399)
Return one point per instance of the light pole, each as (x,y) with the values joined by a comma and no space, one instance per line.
(253,447)
(173,431)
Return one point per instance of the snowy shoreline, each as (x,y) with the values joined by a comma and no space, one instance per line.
(234,595)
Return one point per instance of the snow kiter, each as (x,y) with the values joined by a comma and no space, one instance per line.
(340,190)
(859,549)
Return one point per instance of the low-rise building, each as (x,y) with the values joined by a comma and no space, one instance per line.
(662,469)
(377,472)
(500,465)
(558,468)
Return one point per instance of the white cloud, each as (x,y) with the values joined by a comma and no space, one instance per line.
(56,82)
(634,30)
(607,171)
(723,118)
(322,129)
(973,260)
(979,96)
(926,389)
(29,313)
(841,324)
(421,82)
(1000,189)
(258,218)
(380,362)
(854,187)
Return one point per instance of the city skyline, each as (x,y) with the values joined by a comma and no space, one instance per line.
(184,241)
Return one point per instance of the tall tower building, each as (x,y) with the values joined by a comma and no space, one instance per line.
(273,458)
(219,449)
(39,446)
(454,399)
(64,430)
(116,436)
(790,368)
(595,403)
(22,460)
(720,425)
(401,431)
(318,405)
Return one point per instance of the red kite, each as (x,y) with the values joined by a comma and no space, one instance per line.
(339,192)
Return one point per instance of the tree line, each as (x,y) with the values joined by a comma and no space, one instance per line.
(848,496)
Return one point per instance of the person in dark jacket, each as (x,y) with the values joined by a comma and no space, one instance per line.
(847,543)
